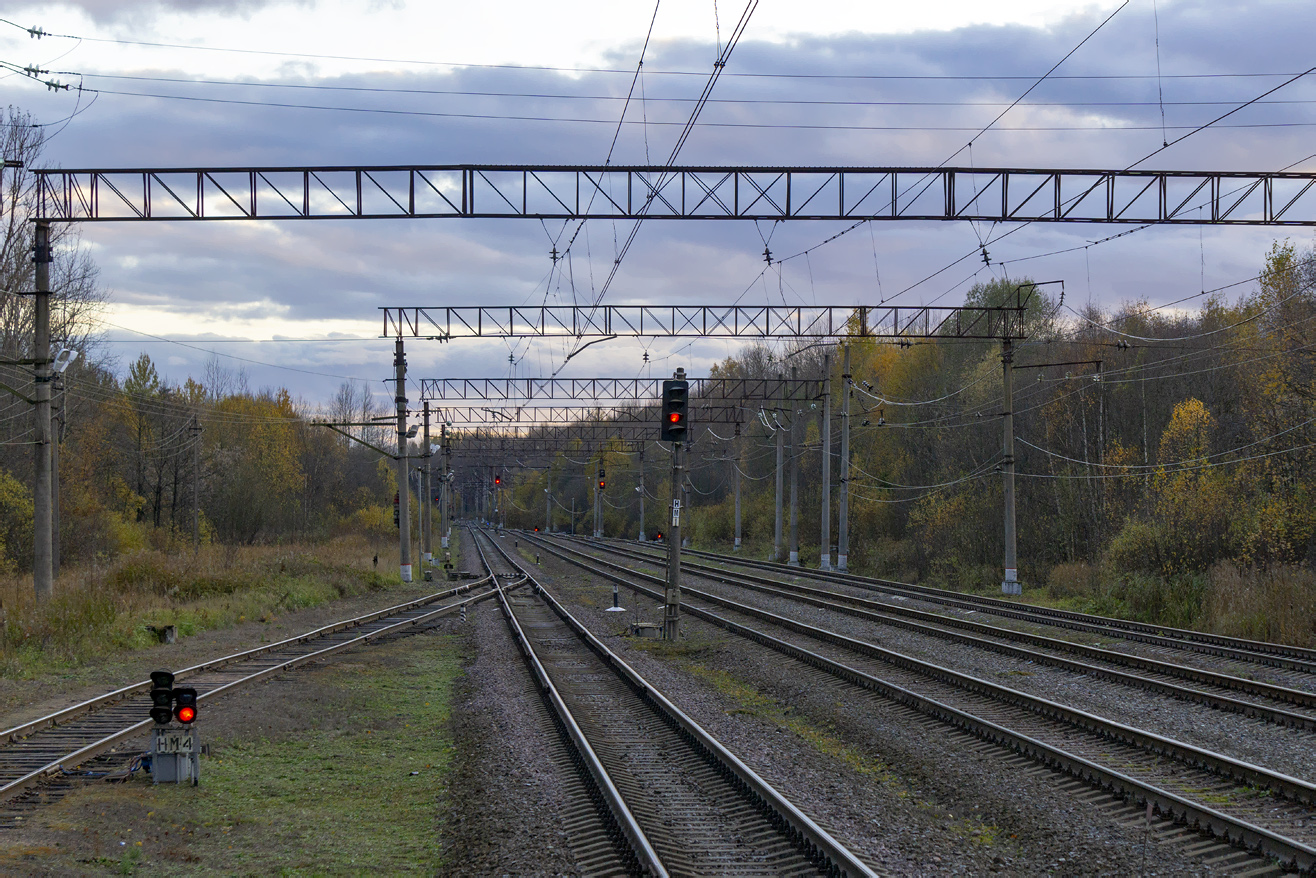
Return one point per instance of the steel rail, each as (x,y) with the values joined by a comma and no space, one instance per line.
(1226,826)
(888,614)
(819,842)
(1280,655)
(100,746)
(64,714)
(641,848)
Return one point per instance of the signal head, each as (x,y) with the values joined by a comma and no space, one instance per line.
(185,705)
(162,696)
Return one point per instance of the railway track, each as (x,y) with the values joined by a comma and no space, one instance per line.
(685,805)
(1242,651)
(1241,803)
(44,751)
(1282,705)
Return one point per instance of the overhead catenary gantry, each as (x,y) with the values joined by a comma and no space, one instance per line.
(639,390)
(1003,195)
(528,415)
(747,322)
(613,192)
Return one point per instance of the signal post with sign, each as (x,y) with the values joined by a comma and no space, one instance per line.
(676,405)
(175,750)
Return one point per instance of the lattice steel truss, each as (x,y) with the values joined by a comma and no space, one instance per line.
(707,193)
(541,414)
(640,391)
(704,321)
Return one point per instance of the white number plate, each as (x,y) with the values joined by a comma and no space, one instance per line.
(175,742)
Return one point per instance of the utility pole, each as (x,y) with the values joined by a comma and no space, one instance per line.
(43,576)
(57,436)
(794,558)
(548,501)
(843,511)
(672,599)
(826,524)
(641,492)
(404,489)
(427,504)
(737,447)
(598,503)
(444,487)
(573,516)
(196,485)
(781,438)
(1010,584)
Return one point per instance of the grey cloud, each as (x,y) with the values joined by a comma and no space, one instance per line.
(345,269)
(142,11)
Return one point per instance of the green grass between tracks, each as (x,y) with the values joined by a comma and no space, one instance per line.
(347,779)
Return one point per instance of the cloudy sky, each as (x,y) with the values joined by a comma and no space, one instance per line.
(317,82)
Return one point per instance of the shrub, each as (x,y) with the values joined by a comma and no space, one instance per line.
(1277,603)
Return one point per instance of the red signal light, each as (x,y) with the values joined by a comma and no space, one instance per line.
(498,480)
(674,418)
(185,705)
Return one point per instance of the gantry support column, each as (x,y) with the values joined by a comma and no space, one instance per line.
(793,559)
(776,526)
(736,446)
(427,502)
(843,510)
(641,492)
(1010,584)
(404,490)
(43,576)
(444,489)
(825,561)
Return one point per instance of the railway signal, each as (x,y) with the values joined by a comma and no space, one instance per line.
(185,705)
(162,696)
(676,400)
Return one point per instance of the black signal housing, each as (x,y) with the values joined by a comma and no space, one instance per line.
(676,404)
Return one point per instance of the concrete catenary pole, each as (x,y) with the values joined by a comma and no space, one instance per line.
(427,500)
(1010,584)
(196,485)
(641,493)
(57,434)
(843,505)
(404,490)
(737,450)
(781,439)
(43,576)
(825,561)
(443,487)
(597,472)
(793,559)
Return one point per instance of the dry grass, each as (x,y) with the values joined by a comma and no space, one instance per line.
(108,608)
(1276,604)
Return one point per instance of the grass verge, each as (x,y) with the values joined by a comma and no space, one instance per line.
(114,608)
(333,771)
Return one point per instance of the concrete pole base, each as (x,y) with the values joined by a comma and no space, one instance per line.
(841,565)
(1009,587)
(793,560)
